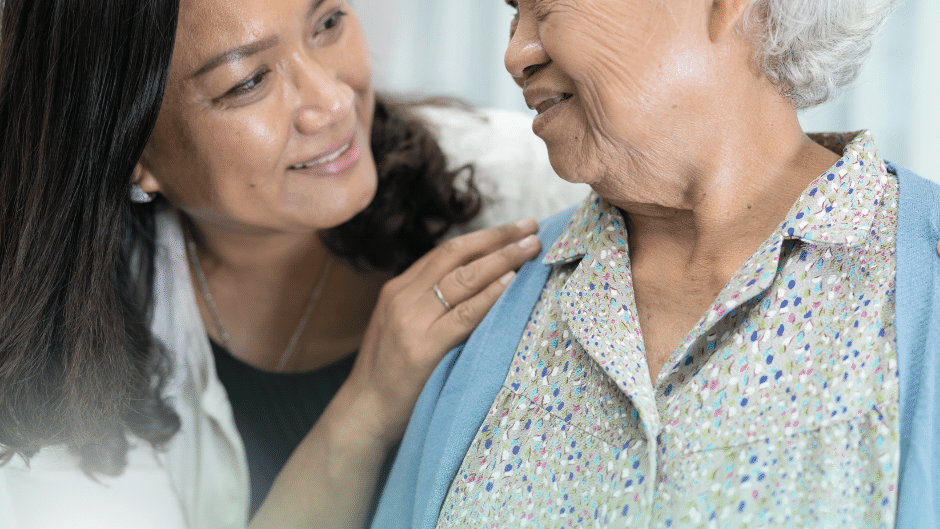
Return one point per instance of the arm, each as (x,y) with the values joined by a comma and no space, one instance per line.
(331,477)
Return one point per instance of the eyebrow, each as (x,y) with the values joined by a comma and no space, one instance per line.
(240,52)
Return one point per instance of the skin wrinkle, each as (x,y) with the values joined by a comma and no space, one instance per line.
(605,91)
(674,126)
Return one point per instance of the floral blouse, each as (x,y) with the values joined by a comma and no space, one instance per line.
(780,408)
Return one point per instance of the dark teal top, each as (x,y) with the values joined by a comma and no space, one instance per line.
(274,411)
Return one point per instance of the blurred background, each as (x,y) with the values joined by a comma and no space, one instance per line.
(435,47)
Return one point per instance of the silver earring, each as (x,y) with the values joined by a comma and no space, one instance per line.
(139,196)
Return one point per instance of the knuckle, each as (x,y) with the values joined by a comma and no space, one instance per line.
(388,299)
(392,287)
(466,315)
(466,276)
(455,246)
(396,304)
(508,230)
(511,253)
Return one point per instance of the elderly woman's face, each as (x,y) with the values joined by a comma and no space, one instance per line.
(267,114)
(611,79)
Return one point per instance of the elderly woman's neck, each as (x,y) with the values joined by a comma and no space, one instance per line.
(731,201)
(683,254)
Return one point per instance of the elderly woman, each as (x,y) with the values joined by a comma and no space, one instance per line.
(733,329)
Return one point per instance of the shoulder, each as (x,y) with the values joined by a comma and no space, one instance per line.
(919,197)
(206,458)
(918,219)
(918,345)
(510,164)
(918,263)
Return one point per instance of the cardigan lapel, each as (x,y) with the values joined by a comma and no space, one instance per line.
(456,399)
(918,338)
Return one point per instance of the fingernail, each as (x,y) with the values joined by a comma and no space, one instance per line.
(507,277)
(527,224)
(528,242)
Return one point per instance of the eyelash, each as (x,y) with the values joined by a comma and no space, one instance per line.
(249,85)
(336,18)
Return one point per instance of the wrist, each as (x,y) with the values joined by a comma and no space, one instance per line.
(362,418)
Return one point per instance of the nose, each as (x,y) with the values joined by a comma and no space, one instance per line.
(322,98)
(525,54)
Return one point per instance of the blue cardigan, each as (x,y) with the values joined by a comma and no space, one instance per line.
(461,390)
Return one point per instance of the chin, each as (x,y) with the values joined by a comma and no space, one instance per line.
(352,207)
(570,169)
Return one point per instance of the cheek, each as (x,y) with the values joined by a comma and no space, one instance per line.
(353,62)
(604,64)
(630,78)
(214,161)
(252,141)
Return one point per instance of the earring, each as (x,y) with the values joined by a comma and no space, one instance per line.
(139,196)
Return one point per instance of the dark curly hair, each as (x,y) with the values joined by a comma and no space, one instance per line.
(417,199)
(78,363)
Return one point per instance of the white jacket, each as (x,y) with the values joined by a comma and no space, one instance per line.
(200,480)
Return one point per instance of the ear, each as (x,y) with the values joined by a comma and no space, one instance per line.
(725,16)
(144,178)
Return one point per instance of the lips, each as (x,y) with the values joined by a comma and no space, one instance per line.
(549,103)
(333,160)
(540,99)
(327,158)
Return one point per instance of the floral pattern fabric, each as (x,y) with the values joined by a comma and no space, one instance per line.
(780,408)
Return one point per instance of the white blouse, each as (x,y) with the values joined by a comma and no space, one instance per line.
(200,480)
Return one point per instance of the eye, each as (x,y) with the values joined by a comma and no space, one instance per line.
(327,31)
(249,85)
(334,19)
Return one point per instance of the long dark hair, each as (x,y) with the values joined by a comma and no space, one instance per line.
(81,83)
(80,87)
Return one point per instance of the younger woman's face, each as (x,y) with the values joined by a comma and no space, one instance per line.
(266,119)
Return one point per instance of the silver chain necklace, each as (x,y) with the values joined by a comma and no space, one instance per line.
(285,356)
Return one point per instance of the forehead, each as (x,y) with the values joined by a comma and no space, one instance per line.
(207,27)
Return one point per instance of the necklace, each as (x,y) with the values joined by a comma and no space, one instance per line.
(285,356)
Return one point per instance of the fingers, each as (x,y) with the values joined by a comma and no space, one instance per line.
(457,324)
(467,280)
(461,250)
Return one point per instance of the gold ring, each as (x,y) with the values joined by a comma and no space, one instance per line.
(440,297)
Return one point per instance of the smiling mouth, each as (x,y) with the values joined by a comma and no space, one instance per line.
(323,159)
(549,103)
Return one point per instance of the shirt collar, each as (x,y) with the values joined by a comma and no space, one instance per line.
(595,216)
(836,208)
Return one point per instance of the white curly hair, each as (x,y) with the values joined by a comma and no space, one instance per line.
(810,49)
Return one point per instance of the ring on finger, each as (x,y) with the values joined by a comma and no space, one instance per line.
(440,296)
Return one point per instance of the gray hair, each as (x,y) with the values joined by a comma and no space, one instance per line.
(810,49)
